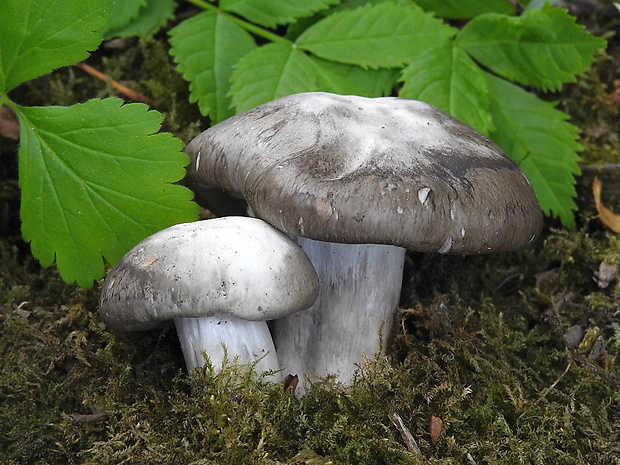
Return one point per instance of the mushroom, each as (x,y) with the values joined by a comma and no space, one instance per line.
(358,181)
(219,280)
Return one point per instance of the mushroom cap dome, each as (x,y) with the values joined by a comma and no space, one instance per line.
(234,265)
(369,171)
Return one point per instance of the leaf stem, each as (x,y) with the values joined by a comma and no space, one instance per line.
(252,28)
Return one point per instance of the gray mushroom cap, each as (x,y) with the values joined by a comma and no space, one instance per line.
(372,171)
(234,265)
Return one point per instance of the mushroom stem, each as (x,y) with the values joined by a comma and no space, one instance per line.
(359,293)
(226,338)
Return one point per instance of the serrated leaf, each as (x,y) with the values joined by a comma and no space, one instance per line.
(278,69)
(38,36)
(123,12)
(343,79)
(463,9)
(536,135)
(96,179)
(151,18)
(543,47)
(271,71)
(270,13)
(449,79)
(206,47)
(386,35)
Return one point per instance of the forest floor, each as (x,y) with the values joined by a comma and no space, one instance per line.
(499,359)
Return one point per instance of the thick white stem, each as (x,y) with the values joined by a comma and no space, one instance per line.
(359,292)
(224,337)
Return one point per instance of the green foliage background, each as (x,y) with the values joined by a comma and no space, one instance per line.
(97,177)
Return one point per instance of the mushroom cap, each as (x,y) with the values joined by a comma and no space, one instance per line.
(234,265)
(369,171)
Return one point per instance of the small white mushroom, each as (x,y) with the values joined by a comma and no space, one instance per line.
(220,280)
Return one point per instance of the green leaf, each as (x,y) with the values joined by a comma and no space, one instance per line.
(463,9)
(123,13)
(449,79)
(206,47)
(386,35)
(38,36)
(271,71)
(270,13)
(96,179)
(543,47)
(536,135)
(353,80)
(151,18)
(278,69)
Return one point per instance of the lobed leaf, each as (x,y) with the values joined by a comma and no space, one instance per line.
(270,13)
(95,180)
(536,135)
(463,9)
(542,47)
(151,18)
(449,79)
(38,36)
(385,35)
(206,47)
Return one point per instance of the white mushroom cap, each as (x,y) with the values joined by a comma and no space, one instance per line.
(234,265)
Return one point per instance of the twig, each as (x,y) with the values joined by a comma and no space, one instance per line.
(408,438)
(602,167)
(130,93)
(547,390)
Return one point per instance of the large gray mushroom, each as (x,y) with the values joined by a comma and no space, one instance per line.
(358,181)
(219,280)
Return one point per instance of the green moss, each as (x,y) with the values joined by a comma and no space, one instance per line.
(479,343)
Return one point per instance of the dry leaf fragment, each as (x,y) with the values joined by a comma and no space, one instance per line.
(607,217)
(436,428)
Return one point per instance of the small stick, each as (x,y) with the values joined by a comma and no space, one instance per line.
(408,438)
(602,167)
(547,390)
(130,93)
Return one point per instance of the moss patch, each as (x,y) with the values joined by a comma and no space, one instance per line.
(486,344)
